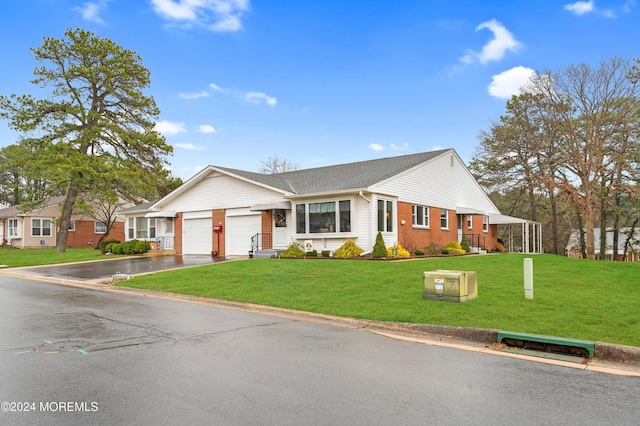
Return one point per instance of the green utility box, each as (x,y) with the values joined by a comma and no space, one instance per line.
(450,286)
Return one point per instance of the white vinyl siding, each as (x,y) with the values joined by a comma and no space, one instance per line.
(219,191)
(431,184)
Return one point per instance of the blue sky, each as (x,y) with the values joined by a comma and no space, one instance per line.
(322,82)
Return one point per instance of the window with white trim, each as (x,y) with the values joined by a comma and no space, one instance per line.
(469,221)
(99,227)
(324,217)
(420,216)
(72,225)
(40,227)
(385,216)
(485,223)
(141,227)
(444,218)
(131,228)
(152,227)
(13,230)
(301,218)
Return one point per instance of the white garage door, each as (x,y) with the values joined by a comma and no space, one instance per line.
(198,236)
(240,229)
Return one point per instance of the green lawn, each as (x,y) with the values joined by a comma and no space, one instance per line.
(46,256)
(574,298)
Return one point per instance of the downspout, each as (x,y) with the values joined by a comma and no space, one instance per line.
(370,224)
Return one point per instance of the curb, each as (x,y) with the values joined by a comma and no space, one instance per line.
(604,352)
(625,357)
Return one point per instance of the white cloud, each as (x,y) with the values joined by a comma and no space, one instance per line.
(91,10)
(259,97)
(207,128)
(168,128)
(580,7)
(584,7)
(496,48)
(510,82)
(196,95)
(376,146)
(214,15)
(395,147)
(216,87)
(190,147)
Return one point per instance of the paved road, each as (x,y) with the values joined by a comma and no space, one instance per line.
(119,358)
(101,269)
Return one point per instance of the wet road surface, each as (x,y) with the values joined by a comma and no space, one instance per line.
(89,271)
(78,356)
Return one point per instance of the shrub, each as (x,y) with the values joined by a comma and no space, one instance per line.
(499,248)
(109,247)
(104,243)
(295,249)
(432,249)
(464,243)
(312,253)
(118,248)
(142,247)
(396,251)
(379,249)
(326,253)
(418,252)
(453,247)
(347,250)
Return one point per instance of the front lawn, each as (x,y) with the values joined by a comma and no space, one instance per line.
(582,299)
(46,256)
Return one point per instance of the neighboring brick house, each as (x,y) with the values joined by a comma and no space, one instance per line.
(415,200)
(37,228)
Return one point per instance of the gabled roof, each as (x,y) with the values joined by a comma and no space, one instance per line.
(340,177)
(15,211)
(139,208)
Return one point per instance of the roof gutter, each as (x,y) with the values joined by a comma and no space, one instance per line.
(324,193)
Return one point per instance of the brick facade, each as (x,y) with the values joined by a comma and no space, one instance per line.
(411,237)
(84,235)
(218,219)
(267,228)
(177,230)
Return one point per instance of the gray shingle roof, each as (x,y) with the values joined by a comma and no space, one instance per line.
(340,177)
(15,210)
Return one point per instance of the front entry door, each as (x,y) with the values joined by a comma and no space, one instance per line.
(279,228)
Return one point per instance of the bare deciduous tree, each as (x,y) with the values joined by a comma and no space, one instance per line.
(275,164)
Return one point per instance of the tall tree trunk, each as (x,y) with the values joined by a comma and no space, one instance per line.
(65,220)
(616,214)
(554,223)
(629,239)
(603,220)
(583,246)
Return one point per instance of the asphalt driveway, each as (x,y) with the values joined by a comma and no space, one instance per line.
(102,269)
